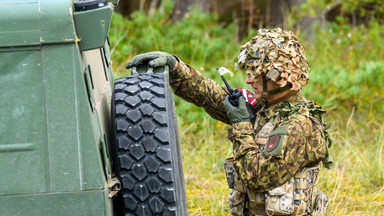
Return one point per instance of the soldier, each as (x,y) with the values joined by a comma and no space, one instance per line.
(277,154)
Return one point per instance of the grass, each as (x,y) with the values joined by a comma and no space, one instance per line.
(355,186)
(203,156)
(347,74)
(357,183)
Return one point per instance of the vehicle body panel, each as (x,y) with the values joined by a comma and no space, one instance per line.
(54,112)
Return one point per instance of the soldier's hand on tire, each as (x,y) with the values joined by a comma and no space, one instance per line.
(153,59)
(237,114)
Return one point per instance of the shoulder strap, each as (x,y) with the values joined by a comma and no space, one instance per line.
(316,113)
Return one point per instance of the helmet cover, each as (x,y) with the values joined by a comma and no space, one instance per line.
(278,55)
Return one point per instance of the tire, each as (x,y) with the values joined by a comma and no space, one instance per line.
(147,155)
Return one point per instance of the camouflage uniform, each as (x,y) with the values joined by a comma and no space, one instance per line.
(277,154)
(261,164)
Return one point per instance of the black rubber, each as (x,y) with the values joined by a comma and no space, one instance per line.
(147,155)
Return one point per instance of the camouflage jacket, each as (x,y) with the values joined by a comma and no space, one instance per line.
(302,140)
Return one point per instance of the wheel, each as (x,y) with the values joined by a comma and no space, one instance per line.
(147,155)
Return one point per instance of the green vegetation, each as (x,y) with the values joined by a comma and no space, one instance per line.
(346,77)
(355,9)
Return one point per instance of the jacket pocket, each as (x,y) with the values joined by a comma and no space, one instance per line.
(279,201)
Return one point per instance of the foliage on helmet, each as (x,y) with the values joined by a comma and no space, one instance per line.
(277,54)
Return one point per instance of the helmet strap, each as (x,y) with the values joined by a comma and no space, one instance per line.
(275,91)
(285,97)
(264,94)
(267,93)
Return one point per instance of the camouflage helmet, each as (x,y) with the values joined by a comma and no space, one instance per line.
(278,55)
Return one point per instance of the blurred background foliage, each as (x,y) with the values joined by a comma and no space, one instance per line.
(344,47)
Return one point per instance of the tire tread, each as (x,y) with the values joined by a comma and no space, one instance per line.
(143,151)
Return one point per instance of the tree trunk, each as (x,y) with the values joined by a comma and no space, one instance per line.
(305,25)
(246,13)
(126,7)
(182,7)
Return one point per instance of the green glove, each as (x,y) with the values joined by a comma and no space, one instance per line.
(237,114)
(153,59)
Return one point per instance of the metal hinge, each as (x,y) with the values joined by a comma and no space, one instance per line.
(114,186)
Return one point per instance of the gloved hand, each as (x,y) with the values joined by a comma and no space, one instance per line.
(153,59)
(237,114)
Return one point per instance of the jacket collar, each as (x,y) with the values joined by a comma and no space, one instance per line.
(270,111)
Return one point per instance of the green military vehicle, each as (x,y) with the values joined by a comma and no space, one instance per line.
(73,141)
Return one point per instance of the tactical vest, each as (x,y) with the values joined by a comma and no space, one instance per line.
(295,197)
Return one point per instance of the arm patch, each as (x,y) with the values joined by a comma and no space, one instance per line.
(275,142)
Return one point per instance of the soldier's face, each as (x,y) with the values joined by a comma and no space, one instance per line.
(258,86)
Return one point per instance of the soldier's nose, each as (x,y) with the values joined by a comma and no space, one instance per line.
(249,81)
